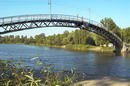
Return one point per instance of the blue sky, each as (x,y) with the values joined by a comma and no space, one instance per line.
(118,10)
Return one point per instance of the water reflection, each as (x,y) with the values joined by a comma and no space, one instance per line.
(89,62)
(125,55)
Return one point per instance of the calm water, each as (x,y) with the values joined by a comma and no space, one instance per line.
(88,62)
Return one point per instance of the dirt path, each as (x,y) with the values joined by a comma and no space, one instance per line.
(105,81)
(95,49)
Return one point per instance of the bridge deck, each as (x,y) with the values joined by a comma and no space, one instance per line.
(21,18)
(17,23)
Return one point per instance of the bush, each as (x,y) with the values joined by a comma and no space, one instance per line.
(12,75)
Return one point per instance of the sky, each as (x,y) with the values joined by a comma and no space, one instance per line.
(118,10)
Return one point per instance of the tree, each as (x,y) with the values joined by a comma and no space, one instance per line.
(11,38)
(1,39)
(76,37)
(109,24)
(50,40)
(60,38)
(90,41)
(17,39)
(126,35)
(83,36)
(70,38)
(99,40)
(66,33)
(41,38)
(31,40)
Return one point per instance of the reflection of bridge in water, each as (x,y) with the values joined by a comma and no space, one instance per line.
(24,22)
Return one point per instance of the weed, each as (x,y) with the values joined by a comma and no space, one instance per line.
(12,75)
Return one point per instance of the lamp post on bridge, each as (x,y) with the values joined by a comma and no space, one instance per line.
(49,3)
(89,13)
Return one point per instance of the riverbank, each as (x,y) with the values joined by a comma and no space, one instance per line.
(105,81)
(77,47)
(83,47)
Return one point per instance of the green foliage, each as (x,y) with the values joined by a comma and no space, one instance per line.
(109,24)
(41,38)
(11,75)
(107,48)
(99,40)
(126,35)
(77,37)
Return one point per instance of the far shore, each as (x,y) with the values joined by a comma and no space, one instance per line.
(78,47)
(84,48)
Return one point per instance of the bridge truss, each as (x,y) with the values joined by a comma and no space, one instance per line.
(24,22)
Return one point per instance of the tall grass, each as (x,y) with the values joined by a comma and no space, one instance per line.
(17,75)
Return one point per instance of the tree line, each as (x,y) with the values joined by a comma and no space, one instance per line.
(82,37)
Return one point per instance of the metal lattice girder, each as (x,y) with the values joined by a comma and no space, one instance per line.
(18,23)
(31,25)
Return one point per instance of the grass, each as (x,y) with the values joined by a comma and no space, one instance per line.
(89,47)
(12,75)
(79,47)
(108,48)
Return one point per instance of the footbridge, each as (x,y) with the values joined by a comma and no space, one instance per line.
(25,22)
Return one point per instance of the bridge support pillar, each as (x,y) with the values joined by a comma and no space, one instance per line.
(125,48)
(117,49)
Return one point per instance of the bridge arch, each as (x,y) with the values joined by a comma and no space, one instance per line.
(25,22)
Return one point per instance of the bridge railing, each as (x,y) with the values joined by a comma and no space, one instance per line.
(13,19)
(27,18)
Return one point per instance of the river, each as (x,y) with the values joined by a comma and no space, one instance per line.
(89,62)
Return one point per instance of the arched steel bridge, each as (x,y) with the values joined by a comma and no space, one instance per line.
(24,22)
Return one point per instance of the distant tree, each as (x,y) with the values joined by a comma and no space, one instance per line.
(1,39)
(109,24)
(11,39)
(65,41)
(66,33)
(90,41)
(17,39)
(41,38)
(126,35)
(50,40)
(76,37)
(22,39)
(99,40)
(25,39)
(84,34)
(31,40)
(70,38)
(59,39)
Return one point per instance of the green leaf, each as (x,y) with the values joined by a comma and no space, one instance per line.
(29,77)
(39,63)
(35,58)
(38,81)
(8,83)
